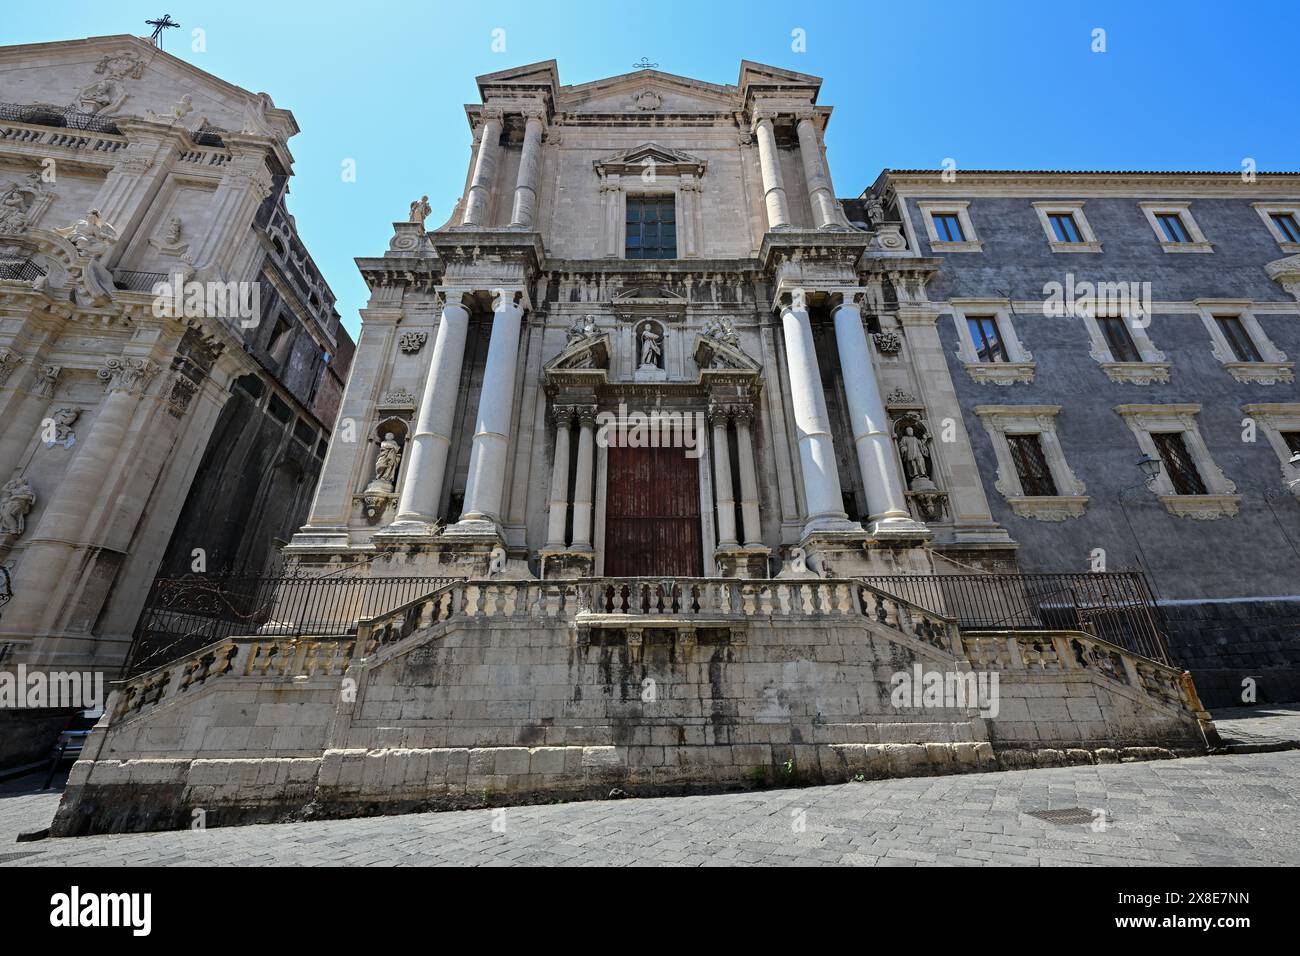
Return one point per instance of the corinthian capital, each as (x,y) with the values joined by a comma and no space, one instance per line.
(127,374)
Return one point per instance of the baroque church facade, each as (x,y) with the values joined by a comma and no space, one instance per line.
(700,468)
(140,442)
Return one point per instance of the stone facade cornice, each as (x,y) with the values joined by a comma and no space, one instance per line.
(1040,184)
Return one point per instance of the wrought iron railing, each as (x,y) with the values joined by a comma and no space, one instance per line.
(182,615)
(130,281)
(23,269)
(69,117)
(1116,606)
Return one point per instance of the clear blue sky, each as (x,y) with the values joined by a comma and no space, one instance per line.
(1182,85)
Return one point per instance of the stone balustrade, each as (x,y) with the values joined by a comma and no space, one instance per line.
(252,657)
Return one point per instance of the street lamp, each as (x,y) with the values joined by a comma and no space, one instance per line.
(1150,468)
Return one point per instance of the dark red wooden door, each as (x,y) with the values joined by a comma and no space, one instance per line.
(652,513)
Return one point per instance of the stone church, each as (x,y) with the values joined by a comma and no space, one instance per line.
(145,434)
(701,475)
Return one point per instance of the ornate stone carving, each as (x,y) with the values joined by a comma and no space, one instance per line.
(650,345)
(9,362)
(103,96)
(63,420)
(170,243)
(92,236)
(386,462)
(888,342)
(399,398)
(127,374)
(420,210)
(181,394)
(647,100)
(22,202)
(16,499)
(900,397)
(412,342)
(928,505)
(722,330)
(583,329)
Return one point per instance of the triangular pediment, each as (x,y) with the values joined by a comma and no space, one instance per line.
(664,159)
(649,92)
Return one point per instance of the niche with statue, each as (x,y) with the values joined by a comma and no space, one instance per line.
(389,441)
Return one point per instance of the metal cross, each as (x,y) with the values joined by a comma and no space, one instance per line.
(165,22)
(645,64)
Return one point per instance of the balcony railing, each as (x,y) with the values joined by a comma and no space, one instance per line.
(69,117)
(1116,606)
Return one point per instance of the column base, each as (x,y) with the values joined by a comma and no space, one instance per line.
(743,561)
(897,529)
(478,529)
(319,539)
(831,524)
(408,531)
(567,563)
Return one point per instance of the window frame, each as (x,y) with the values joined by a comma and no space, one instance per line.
(1073,208)
(659,199)
(1220,499)
(1275,419)
(1004,422)
(1266,212)
(1019,364)
(1183,210)
(961,209)
(1151,365)
(1273,366)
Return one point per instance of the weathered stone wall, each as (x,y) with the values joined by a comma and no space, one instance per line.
(1225,642)
(470,714)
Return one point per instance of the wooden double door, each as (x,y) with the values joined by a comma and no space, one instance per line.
(652,513)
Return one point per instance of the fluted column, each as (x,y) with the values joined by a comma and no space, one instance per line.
(886,502)
(718,417)
(821,481)
(526,184)
(560,478)
(778,211)
(479,203)
(426,453)
(584,482)
(487,457)
(753,534)
(820,195)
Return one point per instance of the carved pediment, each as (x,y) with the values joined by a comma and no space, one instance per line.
(590,353)
(713,354)
(665,161)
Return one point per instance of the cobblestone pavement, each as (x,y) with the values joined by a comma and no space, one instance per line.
(1263,723)
(1230,810)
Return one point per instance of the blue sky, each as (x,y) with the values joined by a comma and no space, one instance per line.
(995,84)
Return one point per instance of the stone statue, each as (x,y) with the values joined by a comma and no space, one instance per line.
(93,236)
(13,210)
(913,451)
(875,210)
(390,454)
(97,96)
(63,420)
(723,331)
(650,347)
(173,233)
(16,500)
(255,122)
(420,210)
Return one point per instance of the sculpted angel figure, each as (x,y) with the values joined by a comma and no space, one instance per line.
(420,210)
(92,236)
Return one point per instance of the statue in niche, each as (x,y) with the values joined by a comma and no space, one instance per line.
(420,210)
(386,462)
(16,500)
(651,347)
(913,440)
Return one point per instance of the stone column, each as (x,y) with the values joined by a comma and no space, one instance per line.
(718,417)
(821,481)
(753,536)
(245,183)
(487,457)
(560,478)
(35,381)
(886,502)
(526,183)
(479,203)
(778,212)
(584,482)
(138,172)
(425,458)
(820,195)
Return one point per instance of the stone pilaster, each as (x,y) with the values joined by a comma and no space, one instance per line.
(584,482)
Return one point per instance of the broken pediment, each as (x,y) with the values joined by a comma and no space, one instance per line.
(719,354)
(665,161)
(582,353)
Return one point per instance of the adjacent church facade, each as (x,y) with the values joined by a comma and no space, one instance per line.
(145,433)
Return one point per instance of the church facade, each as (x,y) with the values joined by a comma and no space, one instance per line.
(171,361)
(709,478)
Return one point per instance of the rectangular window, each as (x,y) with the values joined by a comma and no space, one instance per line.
(947,226)
(1238,338)
(651,227)
(988,343)
(1286,225)
(1171,224)
(1178,463)
(1292,440)
(1064,226)
(1120,340)
(1031,465)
